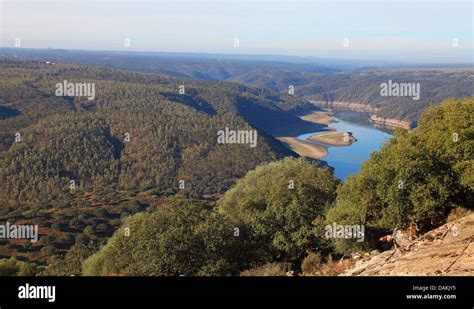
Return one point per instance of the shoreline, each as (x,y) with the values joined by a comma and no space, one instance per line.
(308,148)
(319,117)
(359,107)
(404,124)
(305,149)
(325,138)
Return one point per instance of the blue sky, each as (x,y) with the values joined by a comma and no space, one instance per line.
(416,30)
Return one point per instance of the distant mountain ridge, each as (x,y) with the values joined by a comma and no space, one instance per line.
(314,79)
(201,66)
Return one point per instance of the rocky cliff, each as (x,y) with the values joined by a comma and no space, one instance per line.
(405,124)
(401,123)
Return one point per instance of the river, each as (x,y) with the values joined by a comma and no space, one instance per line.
(348,160)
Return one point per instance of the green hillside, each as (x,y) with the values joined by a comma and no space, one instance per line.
(65,158)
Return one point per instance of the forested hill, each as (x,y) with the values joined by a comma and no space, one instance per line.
(130,90)
(76,166)
(172,136)
(90,149)
(356,83)
(363,86)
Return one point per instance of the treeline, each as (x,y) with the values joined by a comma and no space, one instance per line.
(63,158)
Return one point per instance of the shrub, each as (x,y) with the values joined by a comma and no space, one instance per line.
(89,231)
(48,250)
(103,227)
(13,267)
(180,238)
(46,239)
(267,270)
(70,264)
(134,207)
(101,213)
(311,263)
(74,222)
(82,239)
(458,213)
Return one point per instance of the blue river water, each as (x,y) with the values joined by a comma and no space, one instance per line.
(348,160)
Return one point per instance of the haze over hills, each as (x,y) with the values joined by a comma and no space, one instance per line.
(312,79)
(201,66)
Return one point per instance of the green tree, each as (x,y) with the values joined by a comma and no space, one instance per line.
(14,267)
(282,203)
(417,178)
(180,238)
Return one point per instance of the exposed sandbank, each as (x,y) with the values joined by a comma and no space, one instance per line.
(306,149)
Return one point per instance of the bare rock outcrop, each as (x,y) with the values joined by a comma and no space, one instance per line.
(446,251)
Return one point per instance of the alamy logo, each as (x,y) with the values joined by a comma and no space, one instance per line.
(391,89)
(228,136)
(345,231)
(66,89)
(37,292)
(20,231)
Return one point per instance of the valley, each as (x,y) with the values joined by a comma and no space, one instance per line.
(281,149)
(154,146)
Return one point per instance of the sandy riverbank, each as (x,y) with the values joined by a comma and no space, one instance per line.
(316,146)
(321,117)
(337,139)
(306,149)
(316,122)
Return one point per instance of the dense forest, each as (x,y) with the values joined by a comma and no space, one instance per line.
(63,159)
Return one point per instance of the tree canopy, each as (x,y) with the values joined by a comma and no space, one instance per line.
(282,203)
(180,238)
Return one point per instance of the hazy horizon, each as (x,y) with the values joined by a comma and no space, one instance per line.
(395,31)
(260,57)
